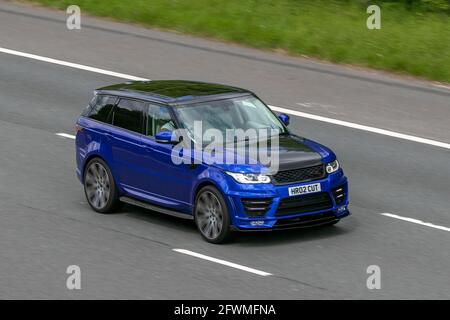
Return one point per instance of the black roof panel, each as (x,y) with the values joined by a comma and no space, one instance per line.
(174,90)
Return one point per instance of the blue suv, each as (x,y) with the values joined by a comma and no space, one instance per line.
(125,154)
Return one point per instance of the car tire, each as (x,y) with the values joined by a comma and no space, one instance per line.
(100,188)
(211,216)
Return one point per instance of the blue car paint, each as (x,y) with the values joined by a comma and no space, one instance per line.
(142,168)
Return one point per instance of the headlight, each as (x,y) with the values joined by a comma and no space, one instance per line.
(249,177)
(332,166)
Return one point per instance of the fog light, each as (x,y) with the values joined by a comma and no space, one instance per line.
(257,223)
(342,209)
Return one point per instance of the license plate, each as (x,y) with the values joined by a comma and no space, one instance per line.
(309,188)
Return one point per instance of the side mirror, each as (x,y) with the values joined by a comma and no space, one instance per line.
(284,118)
(164,137)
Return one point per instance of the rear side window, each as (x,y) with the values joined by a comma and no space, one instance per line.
(102,108)
(128,114)
(87,110)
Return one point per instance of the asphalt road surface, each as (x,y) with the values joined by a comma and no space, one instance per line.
(46,224)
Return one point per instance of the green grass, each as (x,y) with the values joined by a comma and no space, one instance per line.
(410,41)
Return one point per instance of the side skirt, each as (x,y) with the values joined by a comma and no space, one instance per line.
(156,208)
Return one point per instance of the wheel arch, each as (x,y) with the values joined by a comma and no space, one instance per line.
(88,159)
(215,184)
(200,186)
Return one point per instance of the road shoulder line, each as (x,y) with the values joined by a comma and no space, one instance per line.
(416,221)
(275,108)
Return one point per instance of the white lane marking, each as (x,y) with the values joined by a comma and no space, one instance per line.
(362,127)
(70,64)
(427,224)
(278,109)
(65,135)
(223,262)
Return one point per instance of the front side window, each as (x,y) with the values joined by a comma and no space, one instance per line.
(159,119)
(128,114)
(101,108)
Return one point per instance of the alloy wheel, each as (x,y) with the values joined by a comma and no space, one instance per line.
(97,185)
(209,215)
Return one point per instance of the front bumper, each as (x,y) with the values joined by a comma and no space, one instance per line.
(301,222)
(299,215)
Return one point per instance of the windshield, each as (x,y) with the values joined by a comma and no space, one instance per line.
(229,115)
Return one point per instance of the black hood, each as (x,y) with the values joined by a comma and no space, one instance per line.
(295,153)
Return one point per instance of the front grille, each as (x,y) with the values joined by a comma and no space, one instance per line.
(256,207)
(302,204)
(306,221)
(339,194)
(299,175)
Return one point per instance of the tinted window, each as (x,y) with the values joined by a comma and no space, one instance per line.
(159,119)
(230,114)
(102,108)
(87,110)
(128,115)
